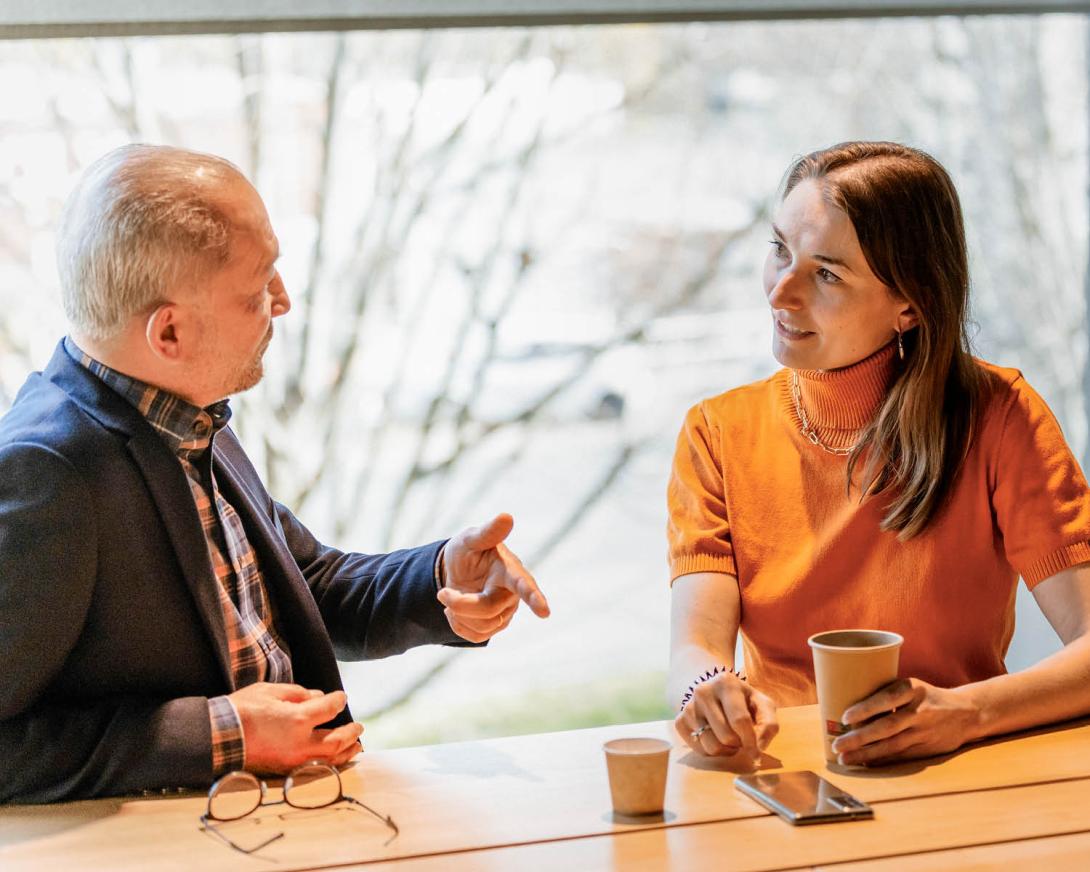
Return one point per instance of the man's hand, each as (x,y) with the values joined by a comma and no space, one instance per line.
(917,720)
(483,582)
(731,717)
(279,727)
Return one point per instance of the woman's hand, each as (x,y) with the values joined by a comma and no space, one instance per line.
(738,718)
(912,719)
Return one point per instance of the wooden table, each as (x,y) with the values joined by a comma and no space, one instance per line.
(542,802)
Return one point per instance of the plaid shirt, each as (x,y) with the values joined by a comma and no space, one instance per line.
(257,653)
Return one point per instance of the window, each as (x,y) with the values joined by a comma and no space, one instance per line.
(517,255)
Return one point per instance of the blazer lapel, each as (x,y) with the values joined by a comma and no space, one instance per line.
(166,482)
(171,493)
(314,663)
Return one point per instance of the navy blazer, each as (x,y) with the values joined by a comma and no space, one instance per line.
(111,634)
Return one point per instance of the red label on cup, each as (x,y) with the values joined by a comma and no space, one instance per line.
(835,728)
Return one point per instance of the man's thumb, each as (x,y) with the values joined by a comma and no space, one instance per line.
(489,535)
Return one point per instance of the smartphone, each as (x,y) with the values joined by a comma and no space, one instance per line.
(803,797)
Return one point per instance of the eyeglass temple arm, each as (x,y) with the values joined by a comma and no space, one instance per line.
(209,827)
(385,818)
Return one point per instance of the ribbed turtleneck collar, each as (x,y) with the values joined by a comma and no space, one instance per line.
(846,399)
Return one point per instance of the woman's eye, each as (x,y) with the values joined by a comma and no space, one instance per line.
(778,247)
(827,276)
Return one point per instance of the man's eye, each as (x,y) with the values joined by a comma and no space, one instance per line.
(778,247)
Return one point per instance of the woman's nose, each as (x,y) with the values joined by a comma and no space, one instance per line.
(785,293)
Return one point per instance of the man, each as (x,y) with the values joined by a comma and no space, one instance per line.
(162,619)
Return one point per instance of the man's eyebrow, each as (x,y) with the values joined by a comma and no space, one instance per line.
(267,265)
(824,258)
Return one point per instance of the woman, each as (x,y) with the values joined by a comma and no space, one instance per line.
(884,478)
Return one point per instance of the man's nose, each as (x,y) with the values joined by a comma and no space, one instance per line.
(281,302)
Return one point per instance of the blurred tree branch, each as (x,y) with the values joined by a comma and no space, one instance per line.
(593,495)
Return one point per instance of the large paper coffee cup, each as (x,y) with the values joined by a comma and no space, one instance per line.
(850,665)
(637,774)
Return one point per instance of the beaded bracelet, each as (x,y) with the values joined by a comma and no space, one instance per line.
(707,676)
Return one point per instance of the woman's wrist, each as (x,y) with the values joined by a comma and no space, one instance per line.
(977,717)
(708,675)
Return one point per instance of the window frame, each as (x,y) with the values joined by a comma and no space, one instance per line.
(34,19)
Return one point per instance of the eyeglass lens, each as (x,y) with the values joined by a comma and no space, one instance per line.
(234,796)
(312,785)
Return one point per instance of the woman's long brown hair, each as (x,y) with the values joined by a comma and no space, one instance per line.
(907,216)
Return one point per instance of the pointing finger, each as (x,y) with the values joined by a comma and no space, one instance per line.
(518,578)
(524,585)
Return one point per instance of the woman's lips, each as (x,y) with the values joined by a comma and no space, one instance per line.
(791,332)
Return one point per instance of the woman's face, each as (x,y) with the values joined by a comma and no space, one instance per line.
(828,309)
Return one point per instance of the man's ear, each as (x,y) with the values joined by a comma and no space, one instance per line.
(162,333)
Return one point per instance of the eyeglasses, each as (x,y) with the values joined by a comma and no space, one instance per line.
(310,786)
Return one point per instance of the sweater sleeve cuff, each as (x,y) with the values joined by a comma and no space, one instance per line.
(228,743)
(683,564)
(1059,560)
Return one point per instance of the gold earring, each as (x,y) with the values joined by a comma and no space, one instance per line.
(900,346)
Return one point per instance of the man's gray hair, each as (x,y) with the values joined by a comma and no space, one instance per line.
(141,219)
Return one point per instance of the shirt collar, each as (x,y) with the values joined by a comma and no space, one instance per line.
(184,427)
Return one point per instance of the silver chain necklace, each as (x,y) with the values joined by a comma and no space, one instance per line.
(804,422)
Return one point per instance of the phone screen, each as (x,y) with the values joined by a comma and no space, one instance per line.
(803,797)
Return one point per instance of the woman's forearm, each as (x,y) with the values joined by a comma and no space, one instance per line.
(1055,689)
(704,610)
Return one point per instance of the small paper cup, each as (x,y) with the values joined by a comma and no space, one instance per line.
(637,774)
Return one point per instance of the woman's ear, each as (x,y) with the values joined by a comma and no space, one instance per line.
(906,318)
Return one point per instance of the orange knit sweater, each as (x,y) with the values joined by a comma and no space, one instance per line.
(750,496)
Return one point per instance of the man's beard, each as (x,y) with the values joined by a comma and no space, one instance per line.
(252,373)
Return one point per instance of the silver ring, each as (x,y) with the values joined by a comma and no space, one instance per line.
(696,734)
